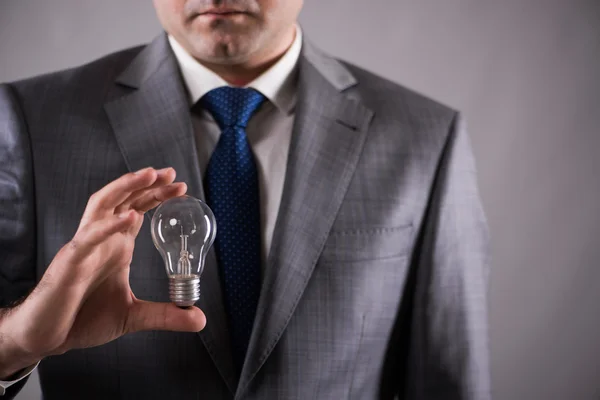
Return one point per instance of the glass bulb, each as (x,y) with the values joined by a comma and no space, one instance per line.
(183,229)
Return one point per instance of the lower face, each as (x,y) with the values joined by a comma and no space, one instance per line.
(225,37)
(221,37)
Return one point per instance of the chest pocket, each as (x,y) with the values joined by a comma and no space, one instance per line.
(368,244)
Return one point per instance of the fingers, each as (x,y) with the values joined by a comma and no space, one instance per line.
(98,231)
(116,192)
(164,177)
(153,198)
(146,316)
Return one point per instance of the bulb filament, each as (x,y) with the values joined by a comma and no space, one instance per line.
(184,264)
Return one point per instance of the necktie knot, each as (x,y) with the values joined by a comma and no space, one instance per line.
(231,106)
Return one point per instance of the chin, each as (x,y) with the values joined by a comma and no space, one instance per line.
(223,48)
(226,53)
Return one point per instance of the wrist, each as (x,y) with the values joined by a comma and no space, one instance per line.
(13,358)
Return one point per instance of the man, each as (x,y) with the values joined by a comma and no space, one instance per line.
(351,259)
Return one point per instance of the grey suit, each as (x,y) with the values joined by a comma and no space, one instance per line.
(377,277)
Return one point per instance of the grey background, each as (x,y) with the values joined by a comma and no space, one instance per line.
(525,73)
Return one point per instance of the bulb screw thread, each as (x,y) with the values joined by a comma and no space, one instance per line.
(184,291)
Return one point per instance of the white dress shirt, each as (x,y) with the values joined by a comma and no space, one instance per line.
(269,132)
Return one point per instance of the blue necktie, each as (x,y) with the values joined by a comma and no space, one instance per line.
(232,193)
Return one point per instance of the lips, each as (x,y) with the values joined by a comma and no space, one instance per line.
(221,11)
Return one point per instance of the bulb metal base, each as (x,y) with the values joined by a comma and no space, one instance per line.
(184,290)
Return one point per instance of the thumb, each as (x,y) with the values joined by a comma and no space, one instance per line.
(148,316)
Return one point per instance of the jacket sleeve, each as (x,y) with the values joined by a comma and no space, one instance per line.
(17,210)
(17,207)
(447,355)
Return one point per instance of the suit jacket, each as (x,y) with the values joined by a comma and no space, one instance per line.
(375,286)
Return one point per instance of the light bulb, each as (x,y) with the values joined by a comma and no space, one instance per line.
(183,229)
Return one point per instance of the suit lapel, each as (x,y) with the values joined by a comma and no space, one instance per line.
(153,127)
(328,136)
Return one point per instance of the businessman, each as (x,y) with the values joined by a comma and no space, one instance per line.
(351,258)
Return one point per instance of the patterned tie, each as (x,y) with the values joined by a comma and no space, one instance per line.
(233,194)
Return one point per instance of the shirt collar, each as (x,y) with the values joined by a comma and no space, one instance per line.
(276,84)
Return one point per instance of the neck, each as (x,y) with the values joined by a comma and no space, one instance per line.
(244,73)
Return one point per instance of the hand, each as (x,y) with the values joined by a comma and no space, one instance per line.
(84,298)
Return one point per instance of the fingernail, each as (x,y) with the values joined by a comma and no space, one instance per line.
(123,214)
